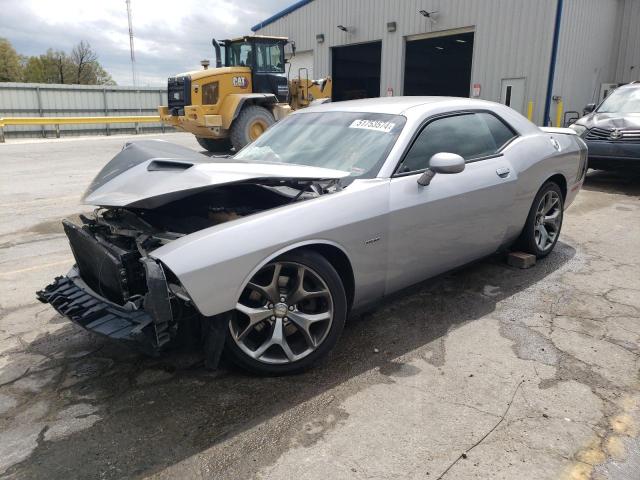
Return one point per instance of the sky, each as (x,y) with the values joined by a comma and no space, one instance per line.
(170,36)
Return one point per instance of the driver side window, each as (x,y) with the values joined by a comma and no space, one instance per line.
(470,135)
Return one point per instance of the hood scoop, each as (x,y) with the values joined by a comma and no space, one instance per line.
(168,166)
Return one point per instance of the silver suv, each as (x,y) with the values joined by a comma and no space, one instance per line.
(612,130)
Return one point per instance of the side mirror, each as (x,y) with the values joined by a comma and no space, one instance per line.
(589,107)
(443,162)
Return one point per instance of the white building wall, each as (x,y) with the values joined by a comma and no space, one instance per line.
(628,57)
(512,37)
(586,56)
(599,41)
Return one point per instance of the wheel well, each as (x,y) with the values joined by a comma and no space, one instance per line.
(561,181)
(340,262)
(260,102)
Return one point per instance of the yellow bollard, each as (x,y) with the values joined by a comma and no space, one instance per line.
(559,111)
(530,111)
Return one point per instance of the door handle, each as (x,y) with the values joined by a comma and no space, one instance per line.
(503,172)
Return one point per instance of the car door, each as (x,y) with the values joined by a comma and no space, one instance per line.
(457,217)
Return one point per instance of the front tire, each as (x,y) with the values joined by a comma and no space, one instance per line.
(215,145)
(290,315)
(544,222)
(250,124)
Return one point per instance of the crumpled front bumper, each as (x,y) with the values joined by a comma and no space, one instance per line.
(147,326)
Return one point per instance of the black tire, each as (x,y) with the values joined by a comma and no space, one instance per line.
(215,145)
(325,270)
(251,122)
(527,241)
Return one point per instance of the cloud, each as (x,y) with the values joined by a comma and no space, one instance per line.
(170,36)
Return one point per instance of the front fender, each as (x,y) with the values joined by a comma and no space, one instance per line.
(215,264)
(282,251)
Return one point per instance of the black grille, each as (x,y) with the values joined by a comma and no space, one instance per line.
(179,94)
(613,135)
(114,273)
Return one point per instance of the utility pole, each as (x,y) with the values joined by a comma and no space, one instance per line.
(133,55)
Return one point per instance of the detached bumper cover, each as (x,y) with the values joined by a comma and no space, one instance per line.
(148,327)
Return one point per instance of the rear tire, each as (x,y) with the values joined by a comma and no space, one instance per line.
(544,222)
(215,145)
(250,124)
(298,308)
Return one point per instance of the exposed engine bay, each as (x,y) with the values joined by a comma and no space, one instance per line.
(130,233)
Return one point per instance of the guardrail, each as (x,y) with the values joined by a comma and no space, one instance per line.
(57,121)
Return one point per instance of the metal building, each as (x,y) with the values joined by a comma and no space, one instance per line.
(538,56)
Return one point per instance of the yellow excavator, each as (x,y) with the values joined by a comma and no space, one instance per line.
(248,90)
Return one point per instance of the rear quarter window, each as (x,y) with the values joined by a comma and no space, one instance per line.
(501,132)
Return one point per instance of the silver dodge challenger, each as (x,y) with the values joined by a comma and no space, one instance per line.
(264,254)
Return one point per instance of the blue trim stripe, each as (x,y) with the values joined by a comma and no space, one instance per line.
(546,121)
(280,14)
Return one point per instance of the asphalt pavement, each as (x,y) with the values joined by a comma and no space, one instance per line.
(487,372)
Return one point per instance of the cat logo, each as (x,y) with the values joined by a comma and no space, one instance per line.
(241,82)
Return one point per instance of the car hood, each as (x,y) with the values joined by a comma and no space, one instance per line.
(611,120)
(151,173)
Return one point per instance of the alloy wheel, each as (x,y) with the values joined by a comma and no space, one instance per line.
(548,220)
(284,313)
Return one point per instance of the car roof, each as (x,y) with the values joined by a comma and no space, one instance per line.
(398,105)
(635,84)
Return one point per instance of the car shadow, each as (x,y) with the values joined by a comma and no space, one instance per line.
(620,182)
(157,412)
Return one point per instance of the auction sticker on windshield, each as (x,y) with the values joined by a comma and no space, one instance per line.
(377,125)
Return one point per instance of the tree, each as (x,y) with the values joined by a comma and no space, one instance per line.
(62,66)
(55,66)
(87,69)
(52,67)
(10,62)
(33,71)
(84,60)
(102,76)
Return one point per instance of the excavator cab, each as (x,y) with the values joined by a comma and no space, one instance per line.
(265,57)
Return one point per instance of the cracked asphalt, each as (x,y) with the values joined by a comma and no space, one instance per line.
(487,372)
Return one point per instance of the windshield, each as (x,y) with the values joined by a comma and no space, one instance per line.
(357,143)
(239,54)
(622,100)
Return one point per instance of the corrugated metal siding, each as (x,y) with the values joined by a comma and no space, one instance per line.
(34,100)
(585,52)
(628,57)
(512,37)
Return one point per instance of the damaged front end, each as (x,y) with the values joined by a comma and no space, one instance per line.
(116,288)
